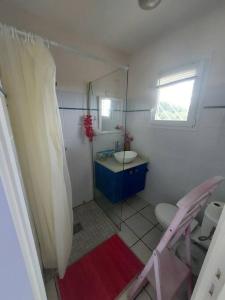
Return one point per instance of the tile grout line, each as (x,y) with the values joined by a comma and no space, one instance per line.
(137,211)
(123,221)
(154,226)
(139,238)
(132,215)
(146,217)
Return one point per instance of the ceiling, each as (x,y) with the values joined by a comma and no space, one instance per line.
(119,24)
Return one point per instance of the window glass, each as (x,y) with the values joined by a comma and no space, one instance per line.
(174,101)
(106,107)
(176,91)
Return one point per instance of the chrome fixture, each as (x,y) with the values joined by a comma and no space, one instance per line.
(148,4)
(117,146)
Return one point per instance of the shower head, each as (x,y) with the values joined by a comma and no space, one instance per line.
(148,4)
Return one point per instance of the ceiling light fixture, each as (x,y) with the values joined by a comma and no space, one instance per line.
(148,4)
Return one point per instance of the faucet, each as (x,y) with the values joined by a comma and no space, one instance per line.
(117,146)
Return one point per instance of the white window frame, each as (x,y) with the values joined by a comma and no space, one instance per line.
(192,113)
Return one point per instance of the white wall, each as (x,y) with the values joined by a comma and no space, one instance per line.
(14,280)
(179,158)
(78,149)
(73,71)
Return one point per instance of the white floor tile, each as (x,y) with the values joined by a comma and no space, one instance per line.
(137,203)
(149,214)
(139,225)
(127,235)
(51,290)
(96,229)
(159,226)
(124,211)
(142,251)
(152,238)
(113,217)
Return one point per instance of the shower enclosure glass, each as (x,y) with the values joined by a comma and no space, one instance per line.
(107,102)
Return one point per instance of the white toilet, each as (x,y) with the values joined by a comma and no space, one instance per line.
(165,213)
(200,235)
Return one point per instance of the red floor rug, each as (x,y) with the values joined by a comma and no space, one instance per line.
(102,274)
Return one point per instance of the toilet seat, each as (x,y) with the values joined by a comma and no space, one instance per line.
(165,213)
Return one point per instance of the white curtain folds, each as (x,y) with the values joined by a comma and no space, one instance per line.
(27,72)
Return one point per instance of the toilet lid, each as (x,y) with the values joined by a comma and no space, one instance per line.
(165,212)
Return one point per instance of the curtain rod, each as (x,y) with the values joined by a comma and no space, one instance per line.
(68,48)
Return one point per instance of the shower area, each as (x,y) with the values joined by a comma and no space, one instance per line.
(104,168)
(118,174)
(105,171)
(108,102)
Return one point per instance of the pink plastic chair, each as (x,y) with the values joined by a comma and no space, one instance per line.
(165,271)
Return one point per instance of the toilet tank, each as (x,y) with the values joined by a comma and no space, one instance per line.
(211,217)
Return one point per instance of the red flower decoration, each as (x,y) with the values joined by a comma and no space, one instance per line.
(89,132)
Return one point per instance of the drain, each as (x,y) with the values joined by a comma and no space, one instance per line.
(77,228)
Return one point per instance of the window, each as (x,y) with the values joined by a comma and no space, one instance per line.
(106,107)
(175,97)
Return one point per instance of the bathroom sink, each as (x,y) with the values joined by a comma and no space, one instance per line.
(125,157)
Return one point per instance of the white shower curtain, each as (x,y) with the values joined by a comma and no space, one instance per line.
(27,71)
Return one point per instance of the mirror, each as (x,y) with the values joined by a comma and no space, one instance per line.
(110,111)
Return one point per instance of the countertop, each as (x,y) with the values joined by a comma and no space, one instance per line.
(114,166)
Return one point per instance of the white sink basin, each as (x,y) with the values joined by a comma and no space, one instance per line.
(125,157)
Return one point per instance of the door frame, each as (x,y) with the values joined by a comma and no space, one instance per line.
(13,186)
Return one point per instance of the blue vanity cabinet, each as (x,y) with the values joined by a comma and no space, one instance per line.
(133,180)
(117,186)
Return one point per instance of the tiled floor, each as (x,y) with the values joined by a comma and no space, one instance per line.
(139,230)
(97,228)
